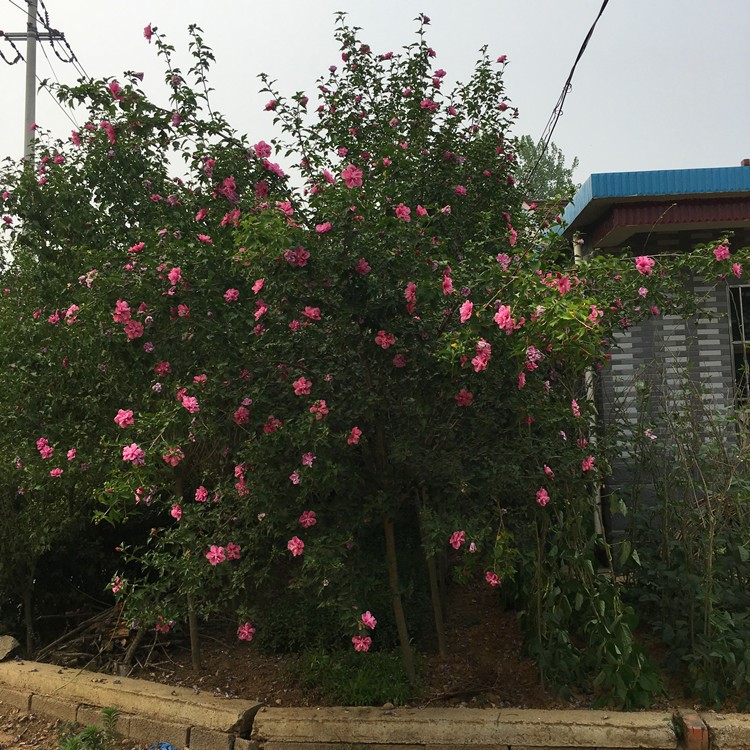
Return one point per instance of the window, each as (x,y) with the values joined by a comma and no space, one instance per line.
(739,314)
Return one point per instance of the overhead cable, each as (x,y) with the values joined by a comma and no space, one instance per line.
(558,110)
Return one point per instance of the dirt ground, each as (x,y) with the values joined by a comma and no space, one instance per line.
(18,730)
(21,730)
(485,667)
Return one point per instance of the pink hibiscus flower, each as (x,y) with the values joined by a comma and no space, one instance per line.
(296,546)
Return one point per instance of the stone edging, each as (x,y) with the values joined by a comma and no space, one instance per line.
(151,712)
(158,713)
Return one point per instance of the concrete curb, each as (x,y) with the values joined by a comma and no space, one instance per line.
(288,729)
(727,731)
(158,713)
(150,712)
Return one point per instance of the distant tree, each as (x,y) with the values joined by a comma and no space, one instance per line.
(551,178)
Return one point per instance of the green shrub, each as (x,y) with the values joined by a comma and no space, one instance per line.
(352,679)
(690,524)
(92,737)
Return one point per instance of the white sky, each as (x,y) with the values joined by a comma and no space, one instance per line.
(662,85)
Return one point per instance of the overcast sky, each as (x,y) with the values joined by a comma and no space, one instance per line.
(663,84)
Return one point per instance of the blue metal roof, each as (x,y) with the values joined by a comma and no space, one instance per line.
(605,187)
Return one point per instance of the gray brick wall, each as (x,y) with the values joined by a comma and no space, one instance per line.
(657,356)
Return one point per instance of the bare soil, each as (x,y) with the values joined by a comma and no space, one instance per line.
(484,666)
(19,729)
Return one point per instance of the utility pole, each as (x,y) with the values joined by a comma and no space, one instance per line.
(30,101)
(31,36)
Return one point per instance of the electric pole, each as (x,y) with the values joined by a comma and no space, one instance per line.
(31,36)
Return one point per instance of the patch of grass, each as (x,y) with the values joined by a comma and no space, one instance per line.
(91,737)
(357,679)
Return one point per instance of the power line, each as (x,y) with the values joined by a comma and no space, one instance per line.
(18,56)
(49,62)
(32,36)
(55,36)
(17,6)
(558,110)
(44,86)
(59,36)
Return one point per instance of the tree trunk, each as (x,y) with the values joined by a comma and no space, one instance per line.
(28,615)
(133,647)
(437,604)
(390,554)
(195,641)
(398,609)
(437,607)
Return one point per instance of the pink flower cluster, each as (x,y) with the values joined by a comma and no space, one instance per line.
(447,282)
(173,455)
(246,631)
(124,418)
(352,176)
(483,355)
(464,398)
(190,403)
(217,554)
(384,339)
(645,265)
(272,425)
(297,257)
(122,314)
(410,294)
(457,539)
(319,409)
(308,519)
(492,578)
(134,454)
(504,319)
(368,620)
(296,546)
(362,267)
(465,310)
(45,449)
(721,252)
(302,386)
(362,643)
(403,212)
(242,415)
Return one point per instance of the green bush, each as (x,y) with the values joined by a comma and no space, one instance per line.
(92,737)
(691,525)
(351,679)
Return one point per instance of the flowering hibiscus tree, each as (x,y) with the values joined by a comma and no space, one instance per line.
(294,388)
(103,247)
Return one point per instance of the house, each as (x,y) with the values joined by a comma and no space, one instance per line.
(664,212)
